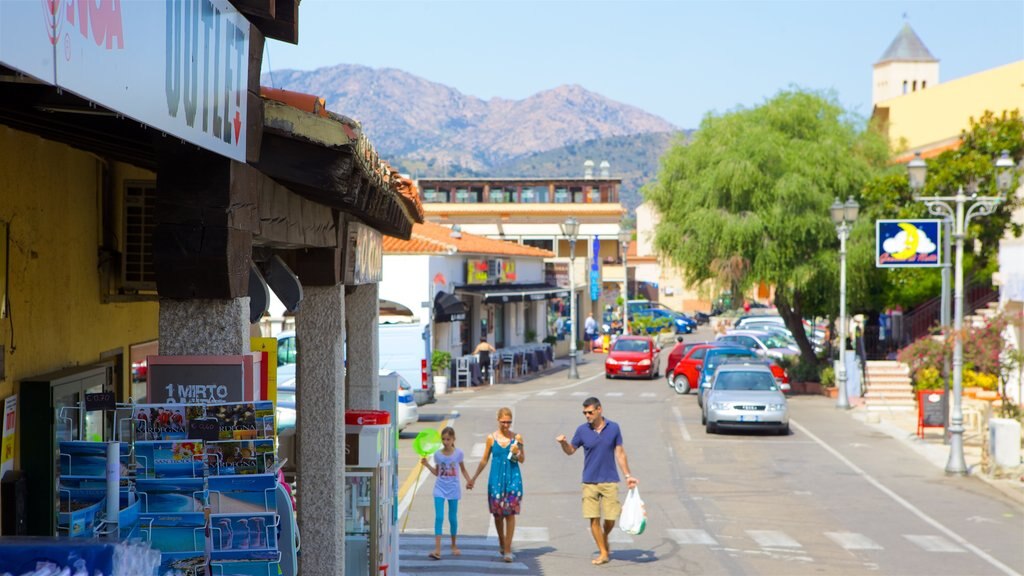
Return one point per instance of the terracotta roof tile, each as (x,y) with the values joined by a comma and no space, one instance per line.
(926,153)
(428,238)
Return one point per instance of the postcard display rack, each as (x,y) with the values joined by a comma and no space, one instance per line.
(371,535)
(198,483)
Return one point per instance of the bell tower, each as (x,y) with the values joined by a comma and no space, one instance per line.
(906,66)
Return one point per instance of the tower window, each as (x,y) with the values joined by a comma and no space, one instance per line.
(922,84)
(914,86)
(905,85)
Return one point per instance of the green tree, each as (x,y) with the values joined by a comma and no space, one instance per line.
(758,183)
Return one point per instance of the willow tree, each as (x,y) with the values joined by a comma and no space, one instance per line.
(757,183)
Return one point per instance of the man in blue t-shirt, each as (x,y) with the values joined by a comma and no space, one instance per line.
(601,440)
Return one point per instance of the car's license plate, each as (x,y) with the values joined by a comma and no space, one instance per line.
(756,418)
(627,368)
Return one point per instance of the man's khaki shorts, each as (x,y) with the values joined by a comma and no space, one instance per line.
(601,500)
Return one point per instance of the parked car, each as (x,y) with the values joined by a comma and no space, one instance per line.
(287,352)
(685,375)
(407,411)
(715,357)
(402,348)
(633,356)
(765,343)
(676,354)
(680,323)
(746,396)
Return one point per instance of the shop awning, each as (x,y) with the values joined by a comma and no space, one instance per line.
(500,293)
(448,308)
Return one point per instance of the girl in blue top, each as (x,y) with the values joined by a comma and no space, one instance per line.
(505,482)
(448,461)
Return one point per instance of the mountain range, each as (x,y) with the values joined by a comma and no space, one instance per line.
(427,129)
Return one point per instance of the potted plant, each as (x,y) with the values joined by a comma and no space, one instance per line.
(439,363)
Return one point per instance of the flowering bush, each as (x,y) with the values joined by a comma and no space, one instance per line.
(983,347)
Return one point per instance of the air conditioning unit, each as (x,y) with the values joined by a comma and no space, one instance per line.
(494,269)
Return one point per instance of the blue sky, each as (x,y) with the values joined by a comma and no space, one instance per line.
(677,59)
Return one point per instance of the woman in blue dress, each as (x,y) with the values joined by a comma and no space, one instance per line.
(505,482)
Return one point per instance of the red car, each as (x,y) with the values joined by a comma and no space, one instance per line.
(686,374)
(676,354)
(633,356)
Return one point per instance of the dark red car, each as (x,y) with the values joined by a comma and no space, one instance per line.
(633,356)
(676,354)
(686,374)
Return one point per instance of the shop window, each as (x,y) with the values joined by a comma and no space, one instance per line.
(561,195)
(429,195)
(137,270)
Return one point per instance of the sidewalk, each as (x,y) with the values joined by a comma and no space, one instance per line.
(902,425)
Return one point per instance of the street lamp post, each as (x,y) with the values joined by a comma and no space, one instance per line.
(624,237)
(571,228)
(960,209)
(843,215)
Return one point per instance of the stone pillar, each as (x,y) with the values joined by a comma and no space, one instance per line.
(320,429)
(361,314)
(204,327)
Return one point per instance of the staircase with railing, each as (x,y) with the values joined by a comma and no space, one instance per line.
(925,317)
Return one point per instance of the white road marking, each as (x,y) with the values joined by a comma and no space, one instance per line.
(853,541)
(547,393)
(619,537)
(691,536)
(648,395)
(907,505)
(463,564)
(580,394)
(773,539)
(522,534)
(422,539)
(478,451)
(933,543)
(682,424)
(614,394)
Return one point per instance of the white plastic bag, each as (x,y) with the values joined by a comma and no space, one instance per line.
(633,519)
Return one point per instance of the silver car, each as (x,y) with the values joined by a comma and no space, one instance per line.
(745,396)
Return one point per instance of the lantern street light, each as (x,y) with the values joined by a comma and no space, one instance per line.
(960,209)
(624,237)
(843,215)
(570,229)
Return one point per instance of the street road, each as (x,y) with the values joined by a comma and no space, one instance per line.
(834,497)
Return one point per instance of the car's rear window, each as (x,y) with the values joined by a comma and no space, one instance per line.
(741,380)
(631,346)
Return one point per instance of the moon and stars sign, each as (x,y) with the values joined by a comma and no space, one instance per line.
(908,243)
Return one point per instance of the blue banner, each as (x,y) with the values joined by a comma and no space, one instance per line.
(908,243)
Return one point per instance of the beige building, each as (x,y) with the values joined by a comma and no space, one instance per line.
(930,121)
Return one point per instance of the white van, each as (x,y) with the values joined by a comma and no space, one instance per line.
(403,348)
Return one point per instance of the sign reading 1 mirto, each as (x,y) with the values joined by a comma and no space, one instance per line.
(908,243)
(180,66)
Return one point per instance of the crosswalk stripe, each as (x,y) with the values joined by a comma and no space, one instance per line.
(614,394)
(691,536)
(580,394)
(546,393)
(648,395)
(522,534)
(421,552)
(933,543)
(619,537)
(464,541)
(463,564)
(477,451)
(853,541)
(773,539)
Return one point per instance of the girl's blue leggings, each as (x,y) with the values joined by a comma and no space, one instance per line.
(453,515)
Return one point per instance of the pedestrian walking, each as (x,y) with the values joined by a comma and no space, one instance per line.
(483,351)
(601,440)
(505,482)
(448,460)
(589,331)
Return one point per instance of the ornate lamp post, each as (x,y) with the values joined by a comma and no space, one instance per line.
(843,215)
(624,237)
(570,229)
(959,208)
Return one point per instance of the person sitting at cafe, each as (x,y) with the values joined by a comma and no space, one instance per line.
(483,351)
